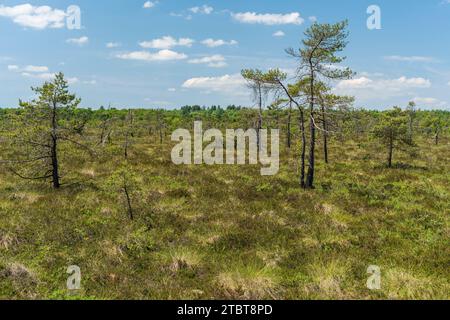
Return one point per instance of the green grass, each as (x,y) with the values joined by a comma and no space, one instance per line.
(226,232)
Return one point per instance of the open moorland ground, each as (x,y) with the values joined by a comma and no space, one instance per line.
(226,232)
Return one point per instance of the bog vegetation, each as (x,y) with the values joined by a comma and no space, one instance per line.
(98,189)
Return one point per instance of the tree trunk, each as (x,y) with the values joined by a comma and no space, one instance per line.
(391,151)
(125,149)
(54,150)
(289,126)
(55,169)
(436,138)
(302,130)
(303,153)
(160,125)
(260,120)
(127,196)
(325,135)
(312,145)
(325,146)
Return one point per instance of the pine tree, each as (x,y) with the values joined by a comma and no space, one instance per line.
(46,122)
(317,59)
(392,131)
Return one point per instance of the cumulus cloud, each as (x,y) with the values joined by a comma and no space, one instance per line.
(230,84)
(38,72)
(43,76)
(35,69)
(429,102)
(48,76)
(162,55)
(78,41)
(419,100)
(384,84)
(149,4)
(36,17)
(181,15)
(72,80)
(166,42)
(111,45)
(218,43)
(367,88)
(203,9)
(279,34)
(410,58)
(357,83)
(215,61)
(28,69)
(268,18)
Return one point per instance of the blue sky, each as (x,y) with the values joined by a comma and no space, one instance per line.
(169,53)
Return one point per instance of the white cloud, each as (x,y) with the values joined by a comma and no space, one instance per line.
(371,74)
(410,58)
(43,76)
(172,90)
(181,15)
(162,55)
(78,41)
(233,84)
(47,76)
(112,45)
(38,72)
(91,82)
(449,81)
(384,84)
(203,9)
(215,61)
(36,69)
(356,83)
(279,34)
(167,42)
(419,100)
(312,19)
(429,102)
(28,69)
(30,16)
(269,18)
(149,4)
(368,88)
(72,80)
(409,82)
(218,43)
